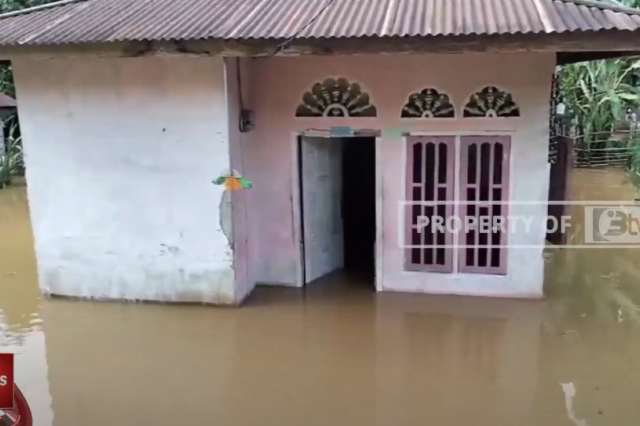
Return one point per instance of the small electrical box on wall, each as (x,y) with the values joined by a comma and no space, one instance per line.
(247,122)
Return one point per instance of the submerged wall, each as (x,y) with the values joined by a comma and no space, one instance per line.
(120,156)
(279,84)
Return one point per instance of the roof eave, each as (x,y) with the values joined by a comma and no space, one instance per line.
(601,44)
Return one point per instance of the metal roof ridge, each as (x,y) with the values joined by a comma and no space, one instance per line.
(605,6)
(546,20)
(390,17)
(39,8)
(248,18)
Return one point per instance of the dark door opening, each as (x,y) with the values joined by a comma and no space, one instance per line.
(359,206)
(338,208)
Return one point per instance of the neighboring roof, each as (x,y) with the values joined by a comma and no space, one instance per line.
(104,21)
(7,101)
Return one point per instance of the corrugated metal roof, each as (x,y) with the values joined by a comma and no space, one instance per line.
(100,21)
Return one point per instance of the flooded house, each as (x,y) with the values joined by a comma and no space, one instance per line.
(189,151)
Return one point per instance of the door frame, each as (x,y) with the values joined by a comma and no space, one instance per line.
(560,192)
(296,199)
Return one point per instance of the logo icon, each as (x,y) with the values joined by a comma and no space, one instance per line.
(612,225)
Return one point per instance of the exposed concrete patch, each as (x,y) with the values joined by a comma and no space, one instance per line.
(226,217)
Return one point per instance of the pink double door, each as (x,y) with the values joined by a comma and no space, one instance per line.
(458,200)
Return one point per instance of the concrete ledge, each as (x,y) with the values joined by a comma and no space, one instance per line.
(230,304)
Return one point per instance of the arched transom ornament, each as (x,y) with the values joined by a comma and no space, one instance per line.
(336,98)
(491,102)
(429,103)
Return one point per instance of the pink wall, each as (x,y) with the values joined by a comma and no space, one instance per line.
(277,88)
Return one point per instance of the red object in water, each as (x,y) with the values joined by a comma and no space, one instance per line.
(21,413)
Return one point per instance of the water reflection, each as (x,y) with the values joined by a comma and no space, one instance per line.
(456,361)
(593,316)
(19,297)
(337,354)
(20,323)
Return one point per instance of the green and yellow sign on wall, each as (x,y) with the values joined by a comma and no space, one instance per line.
(233,181)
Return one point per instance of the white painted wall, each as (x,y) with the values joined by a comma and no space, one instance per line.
(279,84)
(120,156)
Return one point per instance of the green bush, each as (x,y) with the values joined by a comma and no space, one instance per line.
(12,161)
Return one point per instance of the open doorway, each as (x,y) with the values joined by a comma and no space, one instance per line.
(337,185)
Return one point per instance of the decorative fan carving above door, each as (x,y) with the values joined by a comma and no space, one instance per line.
(336,98)
(491,102)
(429,103)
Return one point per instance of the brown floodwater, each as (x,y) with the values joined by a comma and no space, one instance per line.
(337,354)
